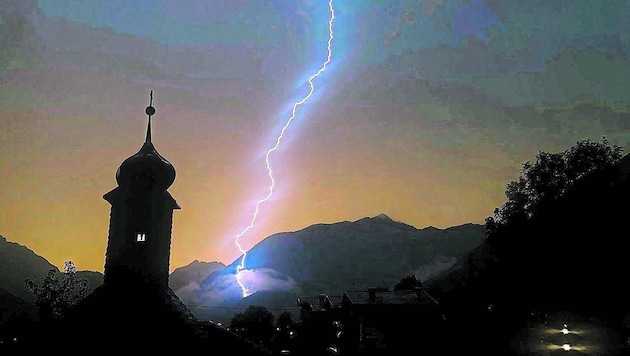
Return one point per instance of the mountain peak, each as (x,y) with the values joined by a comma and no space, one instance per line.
(382,217)
(383,221)
(378,218)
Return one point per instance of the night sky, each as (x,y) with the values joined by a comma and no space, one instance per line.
(427,109)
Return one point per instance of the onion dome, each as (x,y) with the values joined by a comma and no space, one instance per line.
(146,169)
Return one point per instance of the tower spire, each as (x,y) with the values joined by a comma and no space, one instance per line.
(147,166)
(150,111)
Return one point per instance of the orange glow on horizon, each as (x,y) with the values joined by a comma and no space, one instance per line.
(55,172)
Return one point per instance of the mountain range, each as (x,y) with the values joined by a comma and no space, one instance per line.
(566,263)
(330,259)
(322,258)
(18,263)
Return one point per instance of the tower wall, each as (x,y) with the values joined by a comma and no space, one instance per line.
(139,242)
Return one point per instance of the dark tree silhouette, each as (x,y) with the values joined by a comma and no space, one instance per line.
(256,324)
(283,335)
(549,177)
(56,295)
(408,282)
(554,246)
(284,321)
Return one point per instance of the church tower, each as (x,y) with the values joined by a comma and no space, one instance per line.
(134,308)
(139,242)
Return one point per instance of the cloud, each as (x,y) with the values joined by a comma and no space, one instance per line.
(572,73)
(19,42)
(547,28)
(430,6)
(408,18)
(435,268)
(258,280)
(603,72)
(78,46)
(473,59)
(473,19)
(305,16)
(223,289)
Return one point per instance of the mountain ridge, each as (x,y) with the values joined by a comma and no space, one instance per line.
(330,258)
(366,251)
(18,262)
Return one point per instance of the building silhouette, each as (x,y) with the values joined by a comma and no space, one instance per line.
(371,322)
(139,242)
(134,305)
(134,309)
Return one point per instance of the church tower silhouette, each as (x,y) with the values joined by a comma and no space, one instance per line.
(134,309)
(139,242)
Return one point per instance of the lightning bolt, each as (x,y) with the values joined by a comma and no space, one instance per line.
(241,265)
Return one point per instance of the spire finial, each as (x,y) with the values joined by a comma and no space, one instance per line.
(150,111)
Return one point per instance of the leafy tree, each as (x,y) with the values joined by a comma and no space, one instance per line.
(408,282)
(285,321)
(69,268)
(284,328)
(256,324)
(549,177)
(56,295)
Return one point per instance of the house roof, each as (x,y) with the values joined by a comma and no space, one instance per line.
(319,302)
(385,297)
(311,303)
(335,300)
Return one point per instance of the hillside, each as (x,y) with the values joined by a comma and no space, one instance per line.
(331,258)
(17,263)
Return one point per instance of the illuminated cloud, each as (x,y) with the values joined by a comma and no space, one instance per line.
(265,279)
(222,289)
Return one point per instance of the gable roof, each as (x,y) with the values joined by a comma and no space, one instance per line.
(386,297)
(320,302)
